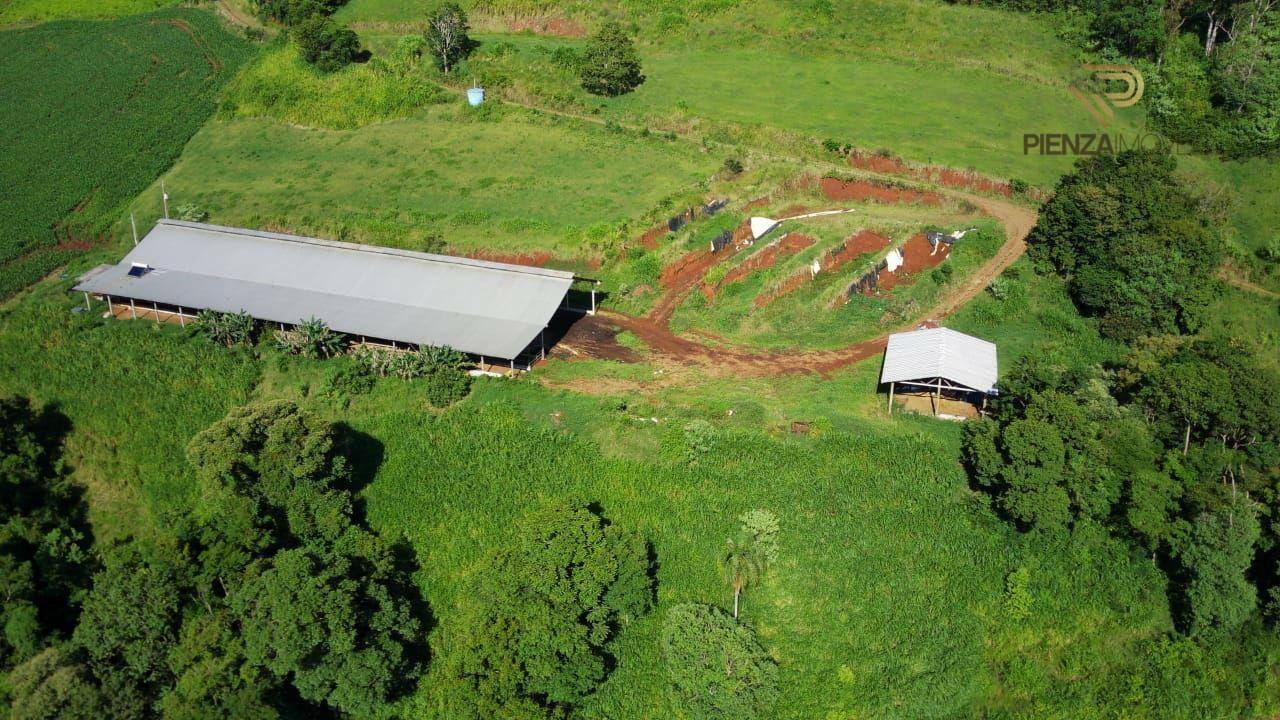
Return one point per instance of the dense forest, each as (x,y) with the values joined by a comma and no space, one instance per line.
(1174,443)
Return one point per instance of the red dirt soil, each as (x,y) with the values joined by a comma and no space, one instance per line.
(865,241)
(788,245)
(866,190)
(727,360)
(877,163)
(530,259)
(915,259)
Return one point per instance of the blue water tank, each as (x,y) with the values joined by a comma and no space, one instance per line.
(475,96)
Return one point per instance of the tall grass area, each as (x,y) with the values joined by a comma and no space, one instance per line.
(498,180)
(134,393)
(893,597)
(898,593)
(91,112)
(280,85)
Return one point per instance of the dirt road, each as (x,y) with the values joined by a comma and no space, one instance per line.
(670,349)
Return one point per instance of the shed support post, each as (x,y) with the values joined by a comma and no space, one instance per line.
(87,306)
(593,299)
(891,398)
(513,367)
(182,317)
(482,367)
(111,309)
(133,310)
(542,342)
(938,405)
(155,308)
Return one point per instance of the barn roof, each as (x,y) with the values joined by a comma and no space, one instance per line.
(480,307)
(940,352)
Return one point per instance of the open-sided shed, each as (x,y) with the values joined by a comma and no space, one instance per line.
(376,294)
(938,361)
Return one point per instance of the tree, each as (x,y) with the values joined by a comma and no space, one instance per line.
(609,64)
(532,639)
(127,627)
(330,620)
(743,564)
(270,476)
(44,567)
(213,677)
(1217,594)
(715,666)
(49,687)
(446,36)
(325,44)
(1133,242)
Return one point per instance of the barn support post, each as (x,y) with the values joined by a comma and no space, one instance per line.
(542,344)
(133,310)
(891,398)
(938,405)
(513,368)
(182,317)
(111,309)
(593,298)
(87,305)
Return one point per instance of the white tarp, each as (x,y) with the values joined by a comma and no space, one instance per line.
(761,225)
(893,260)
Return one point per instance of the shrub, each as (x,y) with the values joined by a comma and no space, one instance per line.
(310,338)
(325,44)
(292,12)
(191,212)
(941,274)
(715,666)
(226,328)
(762,527)
(732,166)
(610,65)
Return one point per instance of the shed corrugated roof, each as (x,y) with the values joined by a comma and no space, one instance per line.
(476,306)
(940,352)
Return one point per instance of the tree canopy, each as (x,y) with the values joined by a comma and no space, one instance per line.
(533,638)
(610,65)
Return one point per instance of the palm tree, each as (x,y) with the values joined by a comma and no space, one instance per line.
(743,564)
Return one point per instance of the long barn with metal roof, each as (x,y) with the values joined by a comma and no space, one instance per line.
(487,309)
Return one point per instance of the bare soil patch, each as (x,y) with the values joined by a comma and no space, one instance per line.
(868,191)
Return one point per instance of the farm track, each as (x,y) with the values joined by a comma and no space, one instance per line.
(588,337)
(672,350)
(1230,276)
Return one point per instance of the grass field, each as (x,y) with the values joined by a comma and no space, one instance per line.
(505,182)
(91,112)
(891,598)
(14,12)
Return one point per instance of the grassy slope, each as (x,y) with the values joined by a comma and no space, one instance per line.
(889,599)
(508,185)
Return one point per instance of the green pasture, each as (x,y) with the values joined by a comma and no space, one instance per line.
(502,181)
(891,598)
(14,12)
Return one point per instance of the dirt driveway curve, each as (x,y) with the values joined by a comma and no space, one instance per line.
(671,350)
